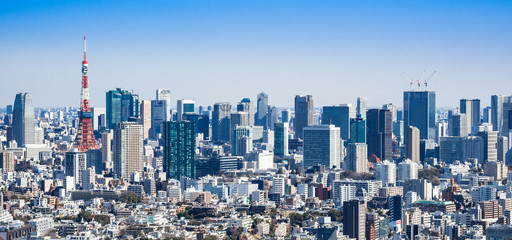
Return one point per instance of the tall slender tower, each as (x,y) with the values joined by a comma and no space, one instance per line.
(85,136)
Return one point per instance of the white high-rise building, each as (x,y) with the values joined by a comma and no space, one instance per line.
(88,178)
(408,169)
(145,116)
(386,172)
(128,149)
(278,185)
(361,107)
(106,149)
(165,94)
(322,145)
(342,192)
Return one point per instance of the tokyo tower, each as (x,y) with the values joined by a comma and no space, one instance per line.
(85,136)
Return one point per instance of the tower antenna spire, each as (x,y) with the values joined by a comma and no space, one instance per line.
(85,51)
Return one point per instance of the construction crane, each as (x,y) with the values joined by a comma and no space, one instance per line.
(428,79)
(411,81)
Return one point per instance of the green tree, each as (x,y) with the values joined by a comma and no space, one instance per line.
(86,216)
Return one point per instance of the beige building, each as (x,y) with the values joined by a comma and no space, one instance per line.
(413,143)
(128,149)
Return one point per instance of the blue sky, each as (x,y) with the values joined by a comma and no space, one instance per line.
(214,51)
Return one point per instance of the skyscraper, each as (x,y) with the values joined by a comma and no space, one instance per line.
(354,219)
(379,135)
(246,106)
(121,105)
(179,139)
(471,107)
(165,94)
(221,122)
(272,117)
(339,116)
(458,126)
(185,106)
(241,140)
(490,139)
(75,163)
(303,113)
(145,118)
(23,126)
(420,112)
(262,111)
(395,208)
(497,114)
(128,149)
(361,107)
(281,139)
(7,161)
(158,116)
(358,130)
(322,146)
(357,160)
(413,144)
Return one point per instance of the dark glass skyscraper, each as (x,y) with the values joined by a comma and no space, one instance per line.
(379,136)
(420,112)
(303,113)
(179,140)
(354,219)
(121,105)
(358,130)
(23,128)
(339,116)
(261,118)
(221,122)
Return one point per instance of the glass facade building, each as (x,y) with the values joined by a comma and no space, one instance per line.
(179,140)
(420,112)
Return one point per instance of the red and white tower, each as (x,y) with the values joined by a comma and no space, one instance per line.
(85,136)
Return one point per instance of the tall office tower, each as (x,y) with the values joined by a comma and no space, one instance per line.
(85,135)
(262,111)
(303,113)
(391,107)
(272,117)
(379,135)
(339,116)
(398,131)
(503,148)
(408,170)
(128,149)
(202,123)
(94,159)
(486,115)
(106,149)
(246,106)
(395,208)
(286,116)
(354,219)
(490,139)
(372,226)
(471,107)
(281,139)
(158,116)
(386,172)
(165,94)
(420,112)
(357,160)
(357,130)
(413,144)
(458,126)
(361,107)
(121,105)
(75,163)
(23,126)
(145,117)
(497,115)
(241,140)
(7,161)
(239,119)
(88,178)
(97,114)
(322,146)
(179,139)
(185,106)
(221,122)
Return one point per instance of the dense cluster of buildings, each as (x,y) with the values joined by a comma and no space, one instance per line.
(140,168)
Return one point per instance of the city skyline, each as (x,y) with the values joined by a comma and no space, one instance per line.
(279,48)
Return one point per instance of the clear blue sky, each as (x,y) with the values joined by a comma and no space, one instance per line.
(219,50)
